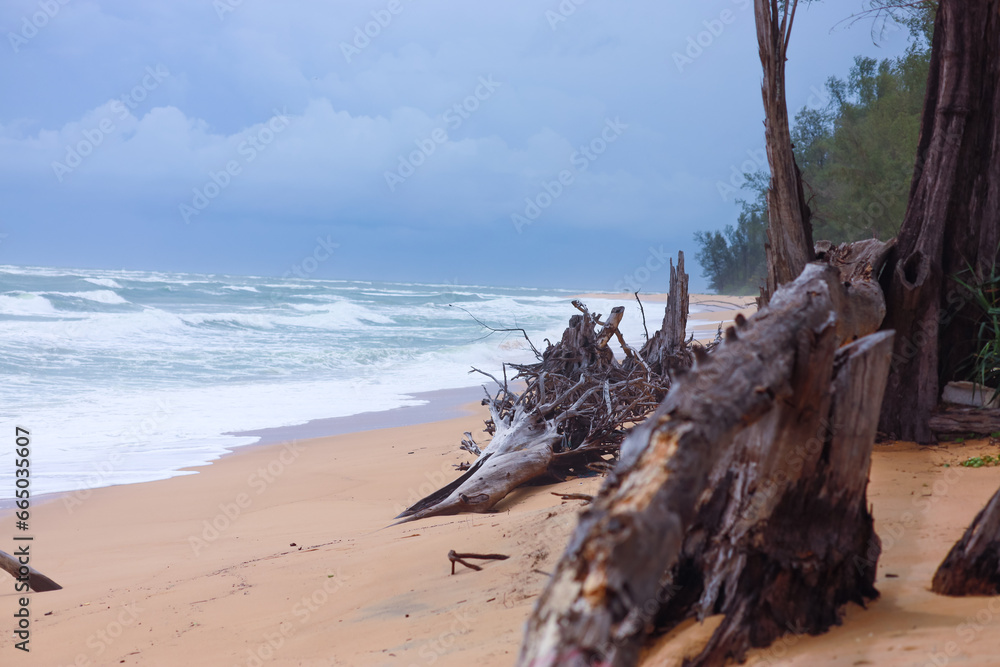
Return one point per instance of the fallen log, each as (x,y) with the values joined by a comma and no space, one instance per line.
(959,420)
(621,566)
(972,567)
(37,581)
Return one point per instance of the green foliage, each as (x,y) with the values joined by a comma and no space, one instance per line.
(733,260)
(980,461)
(856,156)
(984,366)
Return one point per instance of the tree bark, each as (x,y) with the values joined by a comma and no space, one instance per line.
(972,567)
(956,420)
(665,350)
(786,538)
(952,220)
(789,231)
(623,556)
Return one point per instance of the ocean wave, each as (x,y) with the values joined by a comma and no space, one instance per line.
(26,303)
(100,296)
(229,320)
(104,282)
(335,315)
(224,358)
(309,307)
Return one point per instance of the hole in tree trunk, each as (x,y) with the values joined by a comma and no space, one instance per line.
(915,269)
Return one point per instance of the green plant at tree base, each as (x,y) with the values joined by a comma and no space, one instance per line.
(984,365)
(980,461)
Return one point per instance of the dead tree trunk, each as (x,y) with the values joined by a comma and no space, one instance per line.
(37,581)
(786,538)
(620,568)
(952,219)
(789,230)
(665,351)
(972,567)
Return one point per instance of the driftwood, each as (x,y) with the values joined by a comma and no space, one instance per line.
(960,420)
(573,413)
(692,463)
(972,567)
(37,581)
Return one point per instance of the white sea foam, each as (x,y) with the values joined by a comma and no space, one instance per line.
(227,353)
(26,303)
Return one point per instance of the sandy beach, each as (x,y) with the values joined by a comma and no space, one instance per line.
(284,555)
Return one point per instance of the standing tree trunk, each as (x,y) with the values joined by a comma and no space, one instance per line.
(665,351)
(789,231)
(952,220)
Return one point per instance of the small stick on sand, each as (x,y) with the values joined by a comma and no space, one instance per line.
(459,558)
(573,496)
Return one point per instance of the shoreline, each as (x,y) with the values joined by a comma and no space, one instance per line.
(283,554)
(441,404)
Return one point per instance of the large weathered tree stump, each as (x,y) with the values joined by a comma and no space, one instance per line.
(786,538)
(683,523)
(972,567)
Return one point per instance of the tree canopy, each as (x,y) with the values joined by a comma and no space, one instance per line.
(856,155)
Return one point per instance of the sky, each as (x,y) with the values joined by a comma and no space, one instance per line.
(572,144)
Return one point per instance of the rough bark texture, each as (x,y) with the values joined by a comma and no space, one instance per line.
(958,420)
(859,261)
(786,538)
(37,581)
(972,567)
(665,351)
(789,231)
(620,566)
(952,220)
